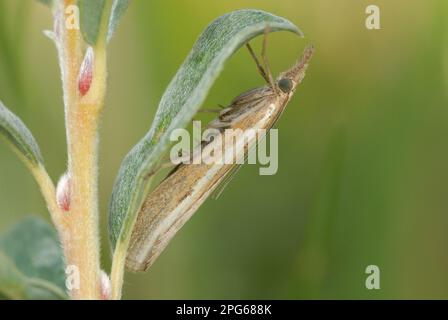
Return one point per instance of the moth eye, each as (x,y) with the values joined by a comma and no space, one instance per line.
(285,85)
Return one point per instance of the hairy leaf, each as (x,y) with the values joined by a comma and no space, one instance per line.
(92,13)
(180,102)
(118,9)
(19,136)
(90,16)
(31,264)
(12,282)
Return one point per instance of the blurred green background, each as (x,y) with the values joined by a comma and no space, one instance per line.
(363,161)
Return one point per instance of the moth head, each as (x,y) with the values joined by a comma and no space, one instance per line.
(285,85)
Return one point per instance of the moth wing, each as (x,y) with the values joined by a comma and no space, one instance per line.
(222,184)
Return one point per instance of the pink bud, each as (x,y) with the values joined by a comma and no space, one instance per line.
(86,72)
(105,286)
(63,192)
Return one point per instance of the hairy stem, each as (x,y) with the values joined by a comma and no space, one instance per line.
(82,117)
(49,193)
(117,273)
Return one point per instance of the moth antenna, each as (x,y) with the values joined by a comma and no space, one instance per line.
(259,66)
(265,59)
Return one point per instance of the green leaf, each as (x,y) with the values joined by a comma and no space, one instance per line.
(90,18)
(31,264)
(19,136)
(92,15)
(118,9)
(180,102)
(12,282)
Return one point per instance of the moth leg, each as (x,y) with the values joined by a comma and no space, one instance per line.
(159,167)
(259,66)
(210,110)
(220,125)
(213,110)
(265,59)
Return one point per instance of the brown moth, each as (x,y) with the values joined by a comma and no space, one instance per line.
(180,194)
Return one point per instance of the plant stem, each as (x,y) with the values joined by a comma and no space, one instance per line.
(82,127)
(82,116)
(49,193)
(117,272)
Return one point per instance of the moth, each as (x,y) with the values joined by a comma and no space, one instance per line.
(179,195)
